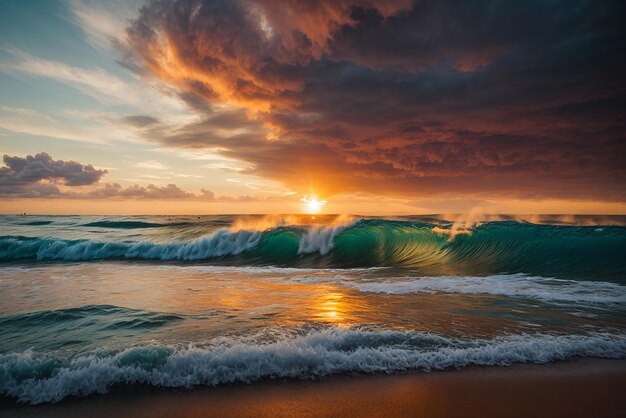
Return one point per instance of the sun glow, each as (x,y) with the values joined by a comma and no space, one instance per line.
(313,205)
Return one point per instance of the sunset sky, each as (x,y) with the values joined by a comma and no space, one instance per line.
(377,107)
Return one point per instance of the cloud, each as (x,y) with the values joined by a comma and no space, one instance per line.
(140,121)
(235,60)
(93,82)
(107,88)
(481,98)
(102,22)
(31,169)
(150,192)
(152,165)
(40,176)
(31,122)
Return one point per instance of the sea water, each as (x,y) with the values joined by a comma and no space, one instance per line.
(90,302)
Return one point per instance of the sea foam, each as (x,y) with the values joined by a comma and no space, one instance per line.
(35,378)
(511,285)
(321,238)
(218,244)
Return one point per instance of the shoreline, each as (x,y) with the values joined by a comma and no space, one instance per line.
(575,388)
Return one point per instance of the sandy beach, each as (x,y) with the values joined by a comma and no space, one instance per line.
(581,388)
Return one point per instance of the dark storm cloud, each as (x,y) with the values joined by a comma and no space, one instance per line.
(19,171)
(40,176)
(498,98)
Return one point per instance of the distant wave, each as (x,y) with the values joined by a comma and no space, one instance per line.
(491,248)
(36,223)
(517,285)
(35,377)
(109,317)
(133,224)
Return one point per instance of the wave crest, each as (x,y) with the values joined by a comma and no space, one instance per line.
(35,378)
(322,238)
(218,244)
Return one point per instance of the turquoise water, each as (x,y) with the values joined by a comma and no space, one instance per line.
(90,302)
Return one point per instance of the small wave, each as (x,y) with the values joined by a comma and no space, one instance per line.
(133,224)
(36,223)
(36,378)
(514,285)
(99,316)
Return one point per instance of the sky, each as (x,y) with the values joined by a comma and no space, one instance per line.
(259,106)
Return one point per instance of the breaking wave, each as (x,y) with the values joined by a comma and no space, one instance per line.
(491,248)
(35,378)
(134,224)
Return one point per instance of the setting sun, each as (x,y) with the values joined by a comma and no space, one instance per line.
(313,205)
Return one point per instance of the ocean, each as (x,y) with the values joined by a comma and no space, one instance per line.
(92,302)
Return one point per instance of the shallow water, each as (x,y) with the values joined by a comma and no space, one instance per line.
(88,302)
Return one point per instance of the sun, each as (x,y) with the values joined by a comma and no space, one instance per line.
(313,205)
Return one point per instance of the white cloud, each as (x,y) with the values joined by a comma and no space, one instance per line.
(30,122)
(95,82)
(153,177)
(211,155)
(103,22)
(85,124)
(144,96)
(152,165)
(187,175)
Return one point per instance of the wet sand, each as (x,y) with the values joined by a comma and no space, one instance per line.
(581,388)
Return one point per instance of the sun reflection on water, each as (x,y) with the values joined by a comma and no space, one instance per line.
(330,307)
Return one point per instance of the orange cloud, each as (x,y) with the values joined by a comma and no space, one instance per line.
(398,97)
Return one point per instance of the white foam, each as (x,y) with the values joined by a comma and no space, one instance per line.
(34,378)
(513,285)
(321,238)
(218,244)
